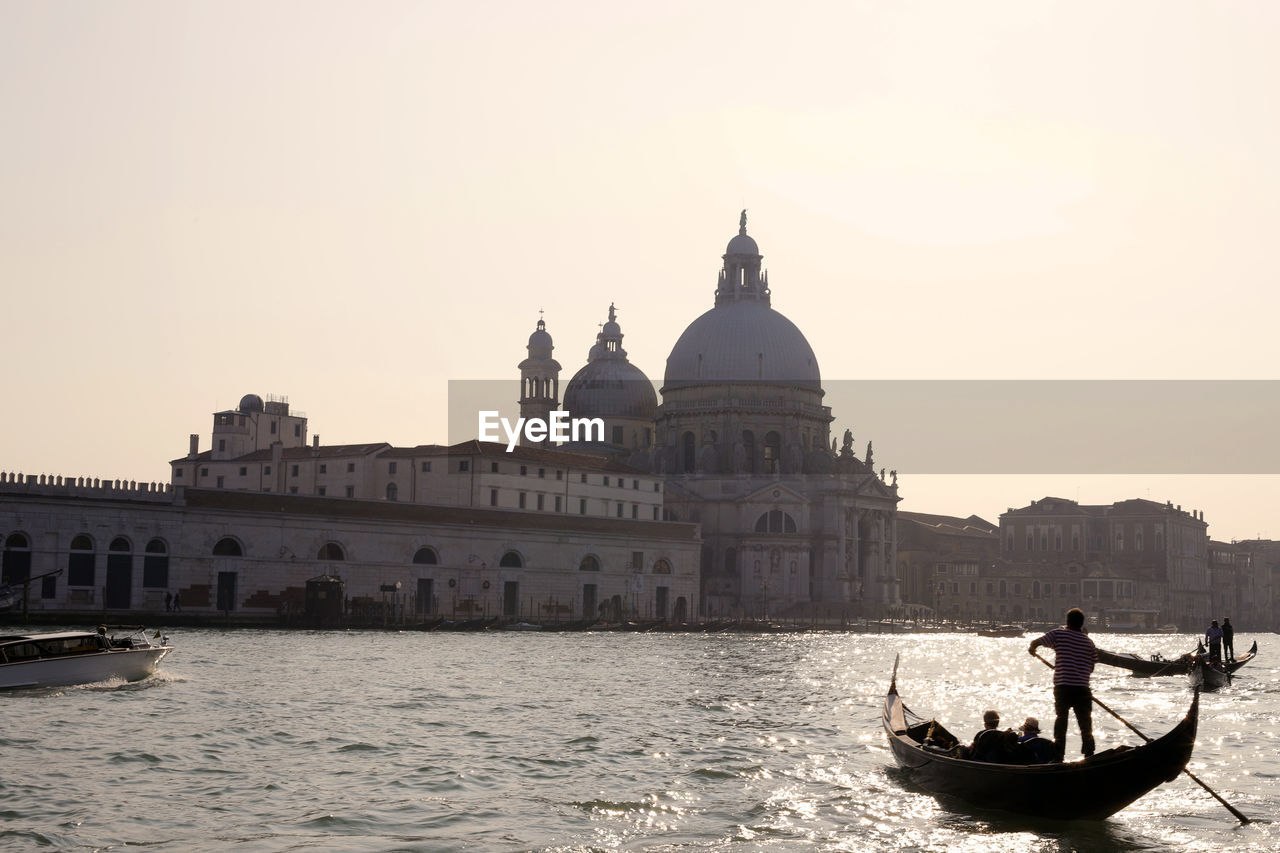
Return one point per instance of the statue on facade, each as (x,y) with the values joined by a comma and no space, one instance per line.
(894,475)
(847,448)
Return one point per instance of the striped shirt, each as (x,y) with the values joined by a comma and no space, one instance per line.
(1074,656)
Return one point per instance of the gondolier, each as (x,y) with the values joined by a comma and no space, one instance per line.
(1074,658)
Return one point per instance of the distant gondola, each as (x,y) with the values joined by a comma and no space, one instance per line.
(1178,666)
(1207,675)
(1092,789)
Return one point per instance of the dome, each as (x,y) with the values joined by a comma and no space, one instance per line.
(743,341)
(742,244)
(610,388)
(250,403)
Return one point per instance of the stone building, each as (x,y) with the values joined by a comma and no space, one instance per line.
(120,549)
(1133,562)
(743,441)
(940,561)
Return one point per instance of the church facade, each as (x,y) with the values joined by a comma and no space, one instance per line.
(743,444)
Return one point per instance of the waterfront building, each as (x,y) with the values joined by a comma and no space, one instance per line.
(743,441)
(1135,561)
(940,561)
(121,547)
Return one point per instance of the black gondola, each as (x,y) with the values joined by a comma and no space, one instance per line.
(1092,789)
(1147,668)
(1207,675)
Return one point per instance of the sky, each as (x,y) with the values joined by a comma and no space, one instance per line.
(351,204)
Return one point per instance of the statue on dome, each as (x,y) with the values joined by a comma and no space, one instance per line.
(742,222)
(613,315)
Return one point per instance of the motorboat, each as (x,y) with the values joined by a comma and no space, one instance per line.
(79,657)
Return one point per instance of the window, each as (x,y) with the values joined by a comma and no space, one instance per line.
(655,513)
(511,560)
(393,492)
(155,565)
(80,562)
(1057,540)
(540,501)
(222,444)
(297,430)
(637,560)
(227,547)
(772,453)
(273,427)
(219,484)
(244,472)
(582,506)
(204,472)
(619,511)
(320,491)
(589,564)
(464,465)
(351,491)
(1044,540)
(635,510)
(661,567)
(522,499)
(426,557)
(293,470)
(657,487)
(635,484)
(426,467)
(293,490)
(266,469)
(331,551)
(351,467)
(749,451)
(493,468)
(324,468)
(559,474)
(1031,540)
(542,473)
(606,480)
(584,478)
(776,521)
(177,472)
(557,503)
(391,467)
(493,497)
(524,470)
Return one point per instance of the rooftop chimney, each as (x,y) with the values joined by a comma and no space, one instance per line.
(315,442)
(195,445)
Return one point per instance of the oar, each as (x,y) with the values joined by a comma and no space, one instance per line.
(1236,812)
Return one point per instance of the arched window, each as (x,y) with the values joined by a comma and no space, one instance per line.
(155,565)
(426,557)
(511,560)
(331,551)
(589,564)
(393,492)
(120,544)
(227,547)
(662,567)
(80,562)
(689,463)
(776,521)
(772,452)
(16,567)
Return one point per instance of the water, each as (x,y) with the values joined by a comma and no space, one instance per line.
(283,741)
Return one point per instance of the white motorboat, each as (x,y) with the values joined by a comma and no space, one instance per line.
(78,657)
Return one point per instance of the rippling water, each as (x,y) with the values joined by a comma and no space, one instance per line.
(266,741)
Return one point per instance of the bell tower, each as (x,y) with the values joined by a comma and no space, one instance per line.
(539,380)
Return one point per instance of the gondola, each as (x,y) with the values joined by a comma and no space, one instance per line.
(1206,675)
(1092,789)
(1149,668)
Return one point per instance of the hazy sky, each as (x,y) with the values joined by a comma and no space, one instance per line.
(352,203)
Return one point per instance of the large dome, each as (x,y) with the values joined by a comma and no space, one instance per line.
(610,387)
(744,341)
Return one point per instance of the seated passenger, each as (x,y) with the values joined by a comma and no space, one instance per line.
(1042,751)
(987,744)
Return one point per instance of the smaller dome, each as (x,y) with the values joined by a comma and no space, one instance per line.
(250,403)
(610,329)
(540,336)
(742,244)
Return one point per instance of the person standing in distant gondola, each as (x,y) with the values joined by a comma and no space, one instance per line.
(1074,658)
(1228,639)
(1214,638)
